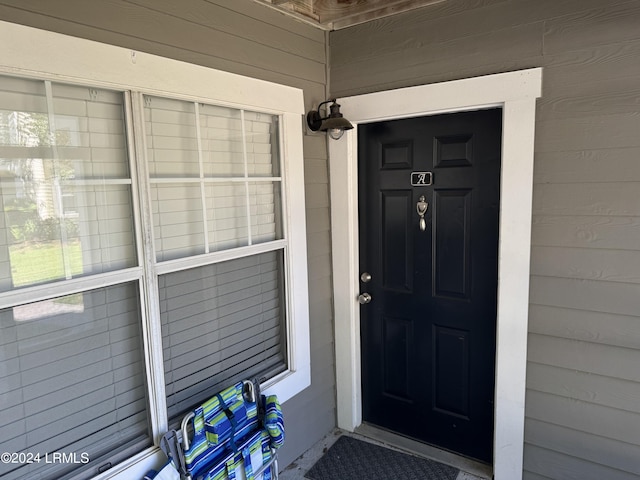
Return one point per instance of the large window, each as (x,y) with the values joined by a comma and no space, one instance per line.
(151,252)
(73,369)
(215,186)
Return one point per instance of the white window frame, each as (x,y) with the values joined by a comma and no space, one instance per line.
(34,53)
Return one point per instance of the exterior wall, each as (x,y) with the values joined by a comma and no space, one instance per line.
(242,37)
(583,384)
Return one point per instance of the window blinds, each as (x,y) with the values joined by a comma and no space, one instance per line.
(72,381)
(221,323)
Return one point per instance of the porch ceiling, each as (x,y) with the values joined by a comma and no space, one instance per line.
(337,14)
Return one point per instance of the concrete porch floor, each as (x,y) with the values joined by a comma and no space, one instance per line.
(469,469)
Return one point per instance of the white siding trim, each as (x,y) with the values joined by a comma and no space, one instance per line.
(86,61)
(38,293)
(516,93)
(195,261)
(293,191)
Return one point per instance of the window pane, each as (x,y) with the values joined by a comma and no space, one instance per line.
(177,220)
(261,130)
(73,381)
(227,215)
(103,224)
(266,211)
(222,143)
(221,323)
(172,143)
(65,189)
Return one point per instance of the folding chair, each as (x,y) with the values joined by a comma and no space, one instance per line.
(232,436)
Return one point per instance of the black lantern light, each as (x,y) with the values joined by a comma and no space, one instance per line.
(335,124)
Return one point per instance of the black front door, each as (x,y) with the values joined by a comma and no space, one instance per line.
(428,208)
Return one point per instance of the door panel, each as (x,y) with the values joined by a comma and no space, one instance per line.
(453,151)
(451,361)
(397,253)
(428,335)
(397,155)
(451,255)
(397,337)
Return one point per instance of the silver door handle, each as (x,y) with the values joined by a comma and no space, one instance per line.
(364,298)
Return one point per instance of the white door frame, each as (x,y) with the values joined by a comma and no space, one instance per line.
(516,94)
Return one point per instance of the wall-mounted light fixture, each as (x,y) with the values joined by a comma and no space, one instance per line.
(334,124)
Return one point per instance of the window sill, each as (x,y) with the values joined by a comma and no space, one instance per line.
(288,384)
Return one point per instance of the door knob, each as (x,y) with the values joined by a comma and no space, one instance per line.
(364,298)
(365,277)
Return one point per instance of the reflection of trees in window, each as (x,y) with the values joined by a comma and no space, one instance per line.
(44,243)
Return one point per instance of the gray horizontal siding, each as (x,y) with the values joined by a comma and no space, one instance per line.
(241,37)
(594,264)
(583,398)
(588,326)
(240,49)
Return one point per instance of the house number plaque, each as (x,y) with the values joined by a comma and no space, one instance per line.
(421,179)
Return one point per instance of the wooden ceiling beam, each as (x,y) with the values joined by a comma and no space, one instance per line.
(336,14)
(301,9)
(330,10)
(389,8)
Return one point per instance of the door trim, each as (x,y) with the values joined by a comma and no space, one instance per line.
(516,94)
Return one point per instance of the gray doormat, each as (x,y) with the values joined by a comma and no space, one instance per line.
(352,459)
